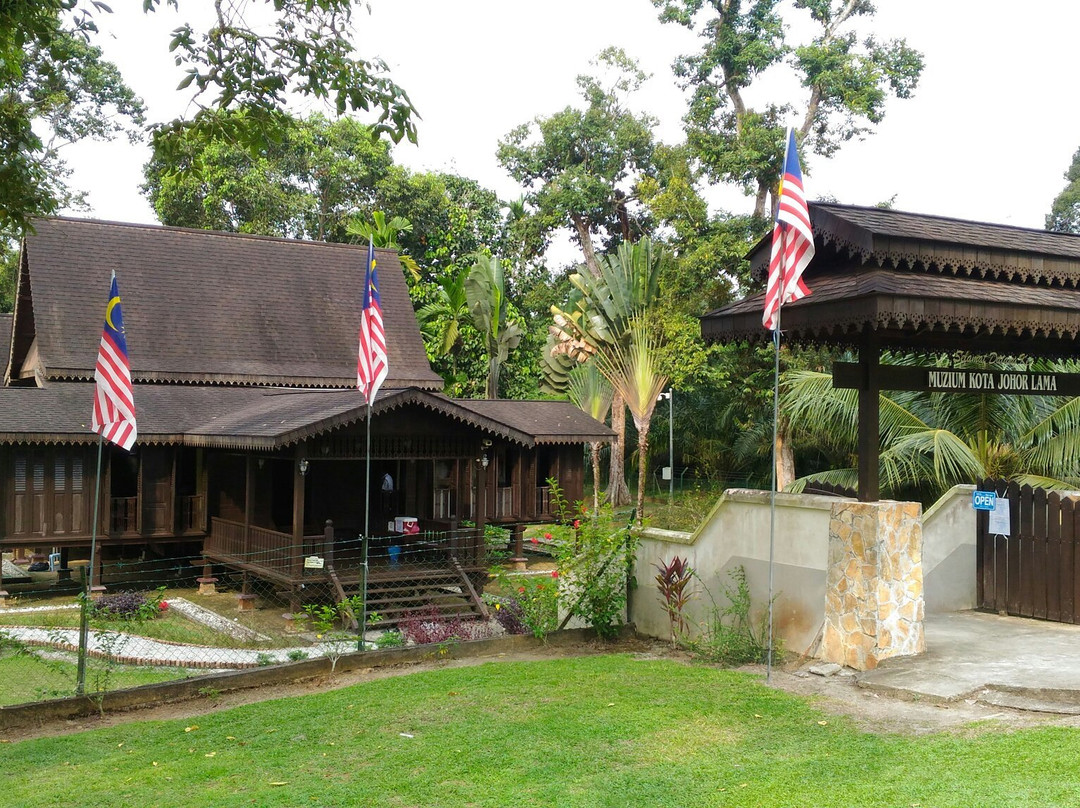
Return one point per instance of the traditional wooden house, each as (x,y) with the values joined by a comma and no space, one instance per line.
(252,444)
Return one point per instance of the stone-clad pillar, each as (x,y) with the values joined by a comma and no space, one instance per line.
(874,583)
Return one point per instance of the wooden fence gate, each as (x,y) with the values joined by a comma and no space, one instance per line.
(1035,570)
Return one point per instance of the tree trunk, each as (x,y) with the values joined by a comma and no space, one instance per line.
(785,456)
(595,448)
(761,198)
(581,227)
(642,474)
(493,377)
(618,493)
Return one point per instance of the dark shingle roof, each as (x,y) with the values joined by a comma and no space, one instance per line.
(923,283)
(936,243)
(201,306)
(267,418)
(923,227)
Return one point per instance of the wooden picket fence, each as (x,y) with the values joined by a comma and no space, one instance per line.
(1035,570)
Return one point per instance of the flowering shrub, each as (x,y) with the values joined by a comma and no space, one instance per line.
(539,600)
(508,613)
(596,555)
(429,625)
(129,605)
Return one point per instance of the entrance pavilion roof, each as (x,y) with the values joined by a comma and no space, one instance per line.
(922,284)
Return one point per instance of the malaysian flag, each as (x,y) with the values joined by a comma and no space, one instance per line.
(114,403)
(792,240)
(371,363)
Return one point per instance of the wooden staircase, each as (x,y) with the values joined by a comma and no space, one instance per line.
(396,596)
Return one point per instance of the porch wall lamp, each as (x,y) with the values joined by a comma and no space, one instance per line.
(303,466)
(484,460)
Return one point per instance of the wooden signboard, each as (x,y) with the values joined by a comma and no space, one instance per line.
(848,376)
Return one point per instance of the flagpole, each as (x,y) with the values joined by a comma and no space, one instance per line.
(94,525)
(780,292)
(88,582)
(772,488)
(364,541)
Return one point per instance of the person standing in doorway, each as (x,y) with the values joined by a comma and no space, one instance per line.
(386,495)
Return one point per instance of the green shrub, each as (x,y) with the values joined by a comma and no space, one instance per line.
(729,635)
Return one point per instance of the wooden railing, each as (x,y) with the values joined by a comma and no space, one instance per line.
(260,546)
(123,515)
(192,514)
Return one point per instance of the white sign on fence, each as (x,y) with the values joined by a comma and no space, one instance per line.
(313,563)
(999,518)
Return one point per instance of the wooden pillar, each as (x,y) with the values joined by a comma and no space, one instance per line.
(328,544)
(298,513)
(202,488)
(249,493)
(481,499)
(869,420)
(517,539)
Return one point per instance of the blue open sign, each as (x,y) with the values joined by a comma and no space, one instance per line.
(983,500)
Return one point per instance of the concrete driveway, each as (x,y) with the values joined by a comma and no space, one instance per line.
(1003,661)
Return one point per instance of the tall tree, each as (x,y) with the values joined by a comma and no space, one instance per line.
(1064,216)
(847,82)
(580,166)
(236,64)
(308,184)
(55,89)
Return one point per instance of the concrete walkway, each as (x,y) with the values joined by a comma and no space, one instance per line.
(1003,661)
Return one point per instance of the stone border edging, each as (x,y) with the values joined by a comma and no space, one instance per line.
(40,712)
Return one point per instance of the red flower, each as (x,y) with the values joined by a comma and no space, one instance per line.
(163,605)
(521,590)
(554,573)
(534,540)
(547,536)
(577,523)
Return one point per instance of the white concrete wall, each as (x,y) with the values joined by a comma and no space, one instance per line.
(949,552)
(736,533)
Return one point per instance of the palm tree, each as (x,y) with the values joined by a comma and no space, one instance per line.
(383,232)
(597,320)
(931,441)
(441,319)
(634,374)
(592,394)
(489,307)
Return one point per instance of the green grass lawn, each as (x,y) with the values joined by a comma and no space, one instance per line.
(28,678)
(593,731)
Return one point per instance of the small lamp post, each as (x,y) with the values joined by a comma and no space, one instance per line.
(669,395)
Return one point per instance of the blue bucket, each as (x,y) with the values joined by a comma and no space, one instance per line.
(395,553)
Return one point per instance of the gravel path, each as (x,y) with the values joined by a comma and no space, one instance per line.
(128,648)
(215,621)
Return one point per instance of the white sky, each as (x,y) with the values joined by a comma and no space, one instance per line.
(988,135)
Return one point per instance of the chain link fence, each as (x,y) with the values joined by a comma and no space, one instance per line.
(174,616)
